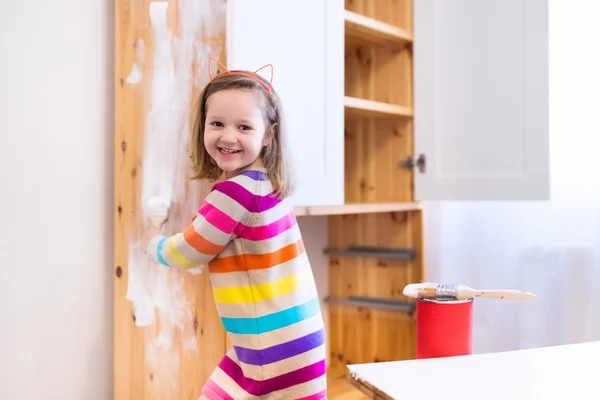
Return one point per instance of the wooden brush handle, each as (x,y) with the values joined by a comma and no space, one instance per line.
(465,293)
(506,295)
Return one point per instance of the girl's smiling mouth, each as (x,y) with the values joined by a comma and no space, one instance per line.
(228,151)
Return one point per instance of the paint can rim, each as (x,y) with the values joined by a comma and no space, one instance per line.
(433,301)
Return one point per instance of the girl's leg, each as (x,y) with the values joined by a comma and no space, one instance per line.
(221,386)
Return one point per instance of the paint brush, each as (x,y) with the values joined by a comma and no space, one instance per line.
(158,210)
(436,291)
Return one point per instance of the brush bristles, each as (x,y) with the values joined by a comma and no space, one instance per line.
(414,289)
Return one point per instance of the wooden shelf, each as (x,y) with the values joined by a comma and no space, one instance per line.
(367,208)
(355,107)
(364,30)
(376,239)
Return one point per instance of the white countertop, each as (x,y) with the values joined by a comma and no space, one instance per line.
(558,372)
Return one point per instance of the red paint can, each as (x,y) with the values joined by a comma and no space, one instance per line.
(444,328)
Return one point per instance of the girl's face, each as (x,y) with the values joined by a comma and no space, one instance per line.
(234,132)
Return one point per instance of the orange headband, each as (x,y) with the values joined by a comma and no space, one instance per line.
(252,75)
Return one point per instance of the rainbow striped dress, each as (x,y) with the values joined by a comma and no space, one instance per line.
(263,287)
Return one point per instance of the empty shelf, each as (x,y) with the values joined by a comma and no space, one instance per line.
(356,107)
(364,30)
(367,208)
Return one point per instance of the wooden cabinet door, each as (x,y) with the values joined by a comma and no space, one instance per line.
(304,41)
(481,99)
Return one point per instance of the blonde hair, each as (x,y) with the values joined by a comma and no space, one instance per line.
(275,156)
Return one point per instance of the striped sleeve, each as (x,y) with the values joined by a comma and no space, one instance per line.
(219,220)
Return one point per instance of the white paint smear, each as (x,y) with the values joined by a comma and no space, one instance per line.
(138,286)
(135,76)
(179,63)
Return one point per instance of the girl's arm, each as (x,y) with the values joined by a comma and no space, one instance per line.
(219,220)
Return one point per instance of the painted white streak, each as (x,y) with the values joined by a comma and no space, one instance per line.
(179,63)
(161,123)
(138,289)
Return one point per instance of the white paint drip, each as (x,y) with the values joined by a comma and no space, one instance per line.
(135,76)
(197,270)
(141,51)
(178,64)
(190,344)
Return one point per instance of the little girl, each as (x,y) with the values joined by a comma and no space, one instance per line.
(247,233)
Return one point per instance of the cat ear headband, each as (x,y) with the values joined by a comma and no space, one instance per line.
(252,75)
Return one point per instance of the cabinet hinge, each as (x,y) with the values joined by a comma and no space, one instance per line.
(410,163)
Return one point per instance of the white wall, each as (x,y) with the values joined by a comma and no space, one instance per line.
(56,132)
(551,248)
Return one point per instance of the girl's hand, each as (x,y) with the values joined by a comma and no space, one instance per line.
(150,233)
